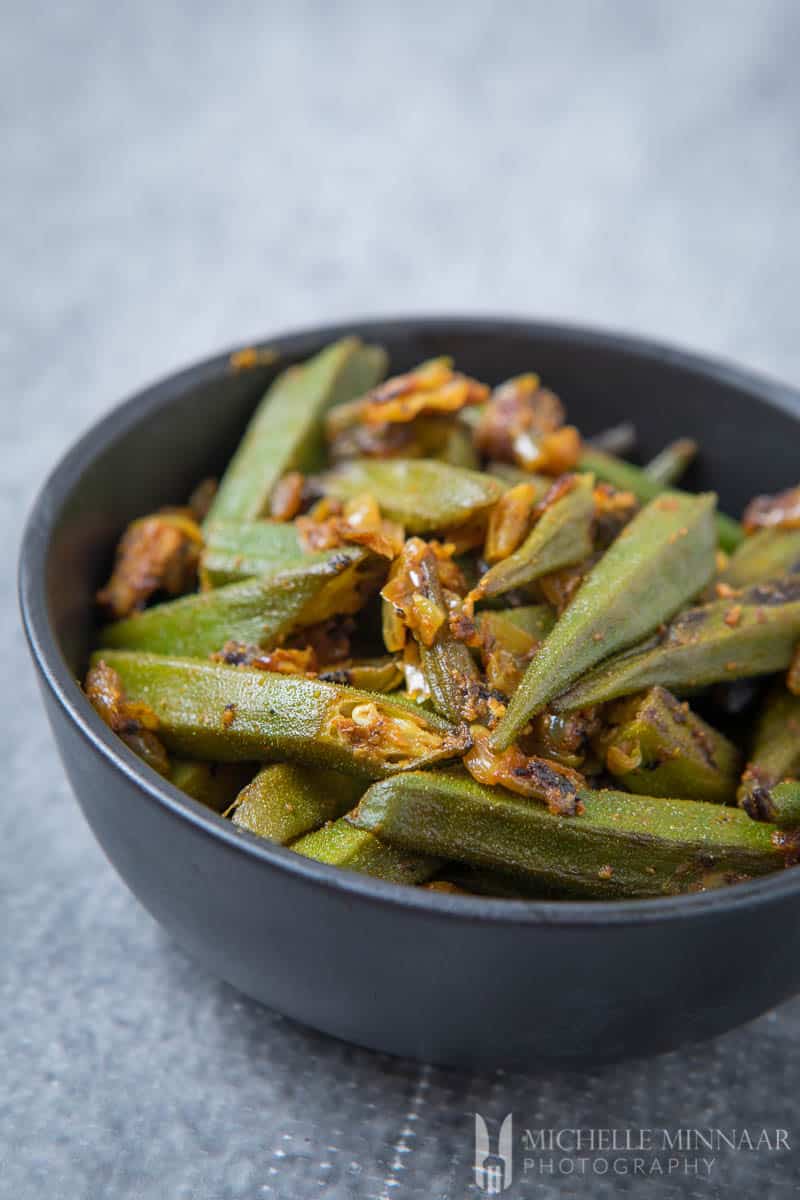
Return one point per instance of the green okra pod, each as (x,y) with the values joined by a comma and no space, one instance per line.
(622,845)
(751,634)
(672,462)
(617,439)
(766,554)
(237,550)
(342,845)
(535,619)
(214,784)
(209,710)
(285,434)
(459,449)
(447,665)
(656,746)
(285,801)
(619,473)
(561,537)
(775,755)
(421,494)
(629,478)
(256,611)
(663,558)
(135,724)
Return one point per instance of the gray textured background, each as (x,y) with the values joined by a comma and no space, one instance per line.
(178,177)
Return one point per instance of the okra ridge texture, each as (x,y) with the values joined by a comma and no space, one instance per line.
(621,846)
(210,710)
(664,557)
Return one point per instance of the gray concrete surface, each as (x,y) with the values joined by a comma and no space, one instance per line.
(178,177)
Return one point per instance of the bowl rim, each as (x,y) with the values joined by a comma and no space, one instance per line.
(50,662)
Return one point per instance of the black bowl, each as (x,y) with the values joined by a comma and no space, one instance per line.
(453,979)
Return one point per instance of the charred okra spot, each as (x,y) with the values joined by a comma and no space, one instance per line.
(527,775)
(340,676)
(784,591)
(758,804)
(477,701)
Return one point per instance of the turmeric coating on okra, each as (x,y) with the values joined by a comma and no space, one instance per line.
(433,585)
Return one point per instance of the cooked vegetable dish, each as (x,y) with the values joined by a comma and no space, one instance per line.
(422,629)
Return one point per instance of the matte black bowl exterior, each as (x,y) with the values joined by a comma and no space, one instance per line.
(453,979)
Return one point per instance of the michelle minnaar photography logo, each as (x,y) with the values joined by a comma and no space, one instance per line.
(494,1169)
(646,1153)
